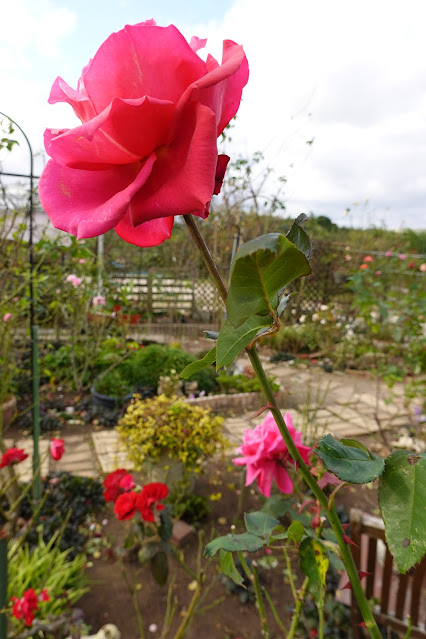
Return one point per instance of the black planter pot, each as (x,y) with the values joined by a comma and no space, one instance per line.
(108,401)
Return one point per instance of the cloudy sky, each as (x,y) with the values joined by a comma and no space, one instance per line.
(336,99)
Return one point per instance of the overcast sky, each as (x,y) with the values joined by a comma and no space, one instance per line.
(348,76)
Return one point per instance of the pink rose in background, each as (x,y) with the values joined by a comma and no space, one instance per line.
(388,253)
(57,448)
(99,300)
(368,258)
(265,455)
(6,317)
(146,150)
(402,256)
(74,280)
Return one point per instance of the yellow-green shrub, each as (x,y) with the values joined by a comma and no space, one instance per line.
(162,426)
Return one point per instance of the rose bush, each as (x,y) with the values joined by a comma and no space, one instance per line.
(151,111)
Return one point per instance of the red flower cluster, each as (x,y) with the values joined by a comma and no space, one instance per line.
(116,483)
(26,606)
(128,503)
(118,488)
(12,456)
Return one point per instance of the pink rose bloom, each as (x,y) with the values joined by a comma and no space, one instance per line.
(82,261)
(57,448)
(151,111)
(99,300)
(423,267)
(74,280)
(265,455)
(368,258)
(6,317)
(402,256)
(388,253)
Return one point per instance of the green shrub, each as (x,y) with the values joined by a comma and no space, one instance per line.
(154,361)
(161,427)
(113,384)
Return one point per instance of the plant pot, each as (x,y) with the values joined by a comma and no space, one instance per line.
(109,401)
(168,470)
(8,410)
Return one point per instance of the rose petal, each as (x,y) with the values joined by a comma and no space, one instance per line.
(88,203)
(125,132)
(149,233)
(182,179)
(161,63)
(197,43)
(221,88)
(62,92)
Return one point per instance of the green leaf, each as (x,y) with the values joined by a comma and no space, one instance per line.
(194,367)
(277,506)
(246,541)
(296,531)
(349,463)
(261,270)
(227,566)
(160,568)
(232,340)
(314,564)
(147,551)
(402,500)
(260,523)
(356,444)
(299,237)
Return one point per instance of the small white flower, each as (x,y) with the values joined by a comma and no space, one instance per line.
(153,627)
(323,321)
(302,319)
(323,307)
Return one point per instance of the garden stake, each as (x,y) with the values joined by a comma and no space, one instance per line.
(331,513)
(36,415)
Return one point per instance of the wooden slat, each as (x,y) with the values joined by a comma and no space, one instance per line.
(416,592)
(387,578)
(400,599)
(371,566)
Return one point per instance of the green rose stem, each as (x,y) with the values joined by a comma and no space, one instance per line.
(327,506)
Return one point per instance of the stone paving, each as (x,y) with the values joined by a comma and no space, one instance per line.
(343,405)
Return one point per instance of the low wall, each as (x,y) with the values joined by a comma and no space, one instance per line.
(237,402)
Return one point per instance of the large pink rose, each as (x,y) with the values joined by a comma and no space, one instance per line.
(146,150)
(266,457)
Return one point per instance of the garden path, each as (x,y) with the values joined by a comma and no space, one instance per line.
(341,404)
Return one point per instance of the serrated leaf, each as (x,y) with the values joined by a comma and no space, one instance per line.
(261,269)
(260,523)
(246,541)
(283,304)
(228,567)
(160,568)
(231,341)
(349,463)
(296,531)
(314,564)
(402,500)
(194,367)
(299,236)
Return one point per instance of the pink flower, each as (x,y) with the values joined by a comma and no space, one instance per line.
(99,300)
(368,258)
(74,280)
(266,456)
(12,456)
(363,266)
(57,448)
(82,261)
(378,272)
(146,149)
(402,256)
(388,253)
(6,317)
(423,267)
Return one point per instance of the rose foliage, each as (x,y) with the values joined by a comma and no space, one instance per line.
(151,111)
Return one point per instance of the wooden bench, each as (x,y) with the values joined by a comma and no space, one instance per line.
(399,596)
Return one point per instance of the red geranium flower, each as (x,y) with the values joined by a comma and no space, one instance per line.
(12,456)
(150,495)
(25,606)
(57,448)
(126,505)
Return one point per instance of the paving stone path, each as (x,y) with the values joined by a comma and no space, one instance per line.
(343,405)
